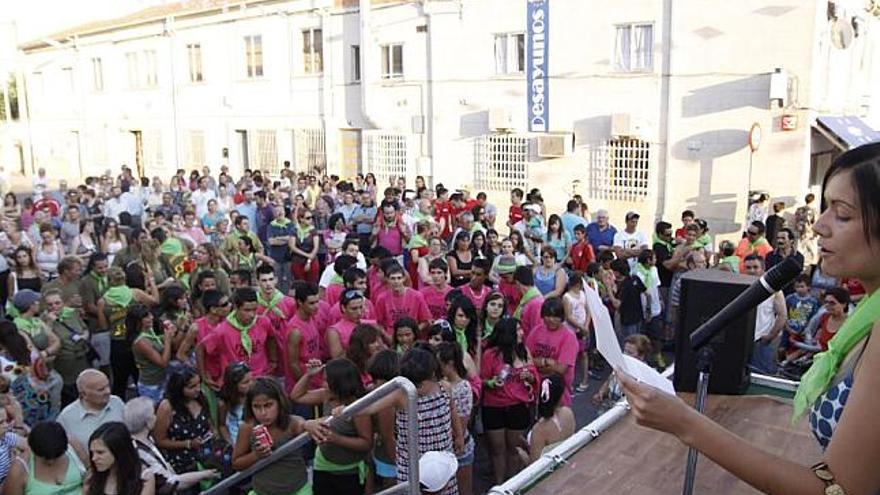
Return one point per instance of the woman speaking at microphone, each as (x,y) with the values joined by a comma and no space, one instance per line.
(841,391)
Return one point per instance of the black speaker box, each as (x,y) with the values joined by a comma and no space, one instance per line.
(703,294)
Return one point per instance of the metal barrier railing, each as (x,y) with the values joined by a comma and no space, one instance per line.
(398,383)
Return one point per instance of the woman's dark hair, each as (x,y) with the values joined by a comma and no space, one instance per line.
(552,306)
(574,280)
(127,463)
(248,243)
(359,345)
(269,387)
(334,219)
(136,313)
(134,276)
(419,365)
(842,296)
(447,352)
(864,165)
(404,322)
(232,376)
(554,218)
(13,196)
(344,379)
(385,365)
(48,440)
(443,329)
(30,254)
(549,393)
(494,296)
(14,344)
(94,258)
(174,390)
(169,297)
(519,245)
(504,339)
(467,307)
(483,250)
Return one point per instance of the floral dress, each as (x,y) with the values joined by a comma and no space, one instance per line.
(185,427)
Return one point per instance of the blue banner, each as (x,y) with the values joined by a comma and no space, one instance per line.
(537,58)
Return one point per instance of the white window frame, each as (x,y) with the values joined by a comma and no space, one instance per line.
(510,53)
(633,51)
(501,162)
(69,79)
(389,60)
(97,74)
(313,59)
(151,67)
(253,56)
(194,62)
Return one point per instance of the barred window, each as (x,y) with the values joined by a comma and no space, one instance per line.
(501,162)
(386,154)
(620,170)
(195,148)
(310,154)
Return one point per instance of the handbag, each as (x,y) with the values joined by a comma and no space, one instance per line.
(91,354)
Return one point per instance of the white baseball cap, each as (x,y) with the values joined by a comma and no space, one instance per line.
(436,469)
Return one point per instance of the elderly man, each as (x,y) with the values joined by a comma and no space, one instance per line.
(94,407)
(601,233)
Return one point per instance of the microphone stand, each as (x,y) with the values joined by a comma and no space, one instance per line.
(704,368)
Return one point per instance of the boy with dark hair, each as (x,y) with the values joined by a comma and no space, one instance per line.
(581,254)
(515,213)
(687,218)
(800,308)
(435,292)
(628,298)
(528,311)
(476,290)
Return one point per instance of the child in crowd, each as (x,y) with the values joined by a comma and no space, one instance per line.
(577,316)
(627,299)
(556,422)
(405,335)
(801,306)
(729,261)
(237,381)
(455,376)
(580,255)
(637,346)
(383,367)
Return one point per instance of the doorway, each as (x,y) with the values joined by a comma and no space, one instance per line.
(350,151)
(138,149)
(242,137)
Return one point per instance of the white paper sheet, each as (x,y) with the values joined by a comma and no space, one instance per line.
(609,347)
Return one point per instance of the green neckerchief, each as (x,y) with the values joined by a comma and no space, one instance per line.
(30,326)
(667,244)
(461,338)
(150,334)
(322,464)
(303,232)
(172,247)
(271,304)
(647,274)
(246,261)
(416,241)
(280,222)
(487,330)
(420,217)
(336,279)
(703,241)
(476,227)
(758,242)
(119,295)
(733,262)
(100,283)
(246,342)
(528,296)
(66,314)
(825,364)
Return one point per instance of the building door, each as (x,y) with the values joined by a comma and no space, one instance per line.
(350,152)
(242,138)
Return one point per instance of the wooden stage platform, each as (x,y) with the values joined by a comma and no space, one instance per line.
(630,459)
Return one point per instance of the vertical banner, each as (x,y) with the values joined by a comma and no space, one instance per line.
(537,58)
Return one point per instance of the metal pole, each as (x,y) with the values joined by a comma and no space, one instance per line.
(398,383)
(693,455)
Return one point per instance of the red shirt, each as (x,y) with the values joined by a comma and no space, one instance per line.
(436,300)
(477,297)
(513,390)
(561,345)
(224,345)
(514,214)
(582,255)
(390,307)
(205,329)
(309,348)
(443,210)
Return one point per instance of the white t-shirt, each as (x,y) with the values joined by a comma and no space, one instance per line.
(631,241)
(327,274)
(200,199)
(765,316)
(653,291)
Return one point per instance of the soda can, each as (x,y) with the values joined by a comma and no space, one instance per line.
(261,433)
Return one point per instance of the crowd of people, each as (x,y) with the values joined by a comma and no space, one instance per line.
(161,335)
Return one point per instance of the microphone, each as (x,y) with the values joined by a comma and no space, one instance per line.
(769,283)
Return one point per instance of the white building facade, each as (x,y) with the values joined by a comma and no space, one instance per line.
(640,105)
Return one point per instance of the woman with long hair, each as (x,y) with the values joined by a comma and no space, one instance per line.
(304,248)
(493,311)
(555,421)
(87,242)
(460,259)
(509,381)
(455,374)
(183,421)
(115,466)
(524,256)
(112,241)
(557,237)
(25,273)
(152,352)
(11,208)
(550,276)
(237,381)
(365,342)
(48,252)
(839,391)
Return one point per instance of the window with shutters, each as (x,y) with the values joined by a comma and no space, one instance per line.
(97,74)
(313,51)
(195,148)
(263,149)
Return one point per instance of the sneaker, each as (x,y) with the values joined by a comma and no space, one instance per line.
(581,388)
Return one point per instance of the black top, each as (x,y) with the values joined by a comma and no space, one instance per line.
(662,253)
(629,291)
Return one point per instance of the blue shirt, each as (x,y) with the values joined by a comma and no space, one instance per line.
(570,221)
(599,237)
(369,211)
(278,253)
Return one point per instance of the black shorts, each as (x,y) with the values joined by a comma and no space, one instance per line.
(515,417)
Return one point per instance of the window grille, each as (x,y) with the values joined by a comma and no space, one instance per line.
(510,53)
(152,149)
(501,162)
(194,56)
(253,48)
(386,155)
(634,47)
(195,148)
(313,51)
(263,149)
(310,152)
(620,170)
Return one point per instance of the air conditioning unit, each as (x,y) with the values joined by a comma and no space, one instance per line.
(555,145)
(499,119)
(623,125)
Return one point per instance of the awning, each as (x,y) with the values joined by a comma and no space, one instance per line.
(846,132)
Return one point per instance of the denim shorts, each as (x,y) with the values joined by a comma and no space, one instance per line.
(153,392)
(385,470)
